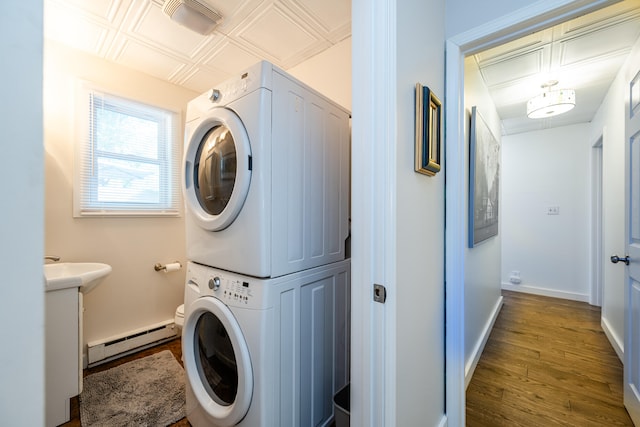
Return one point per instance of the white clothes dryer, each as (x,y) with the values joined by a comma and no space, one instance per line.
(266,175)
(265,352)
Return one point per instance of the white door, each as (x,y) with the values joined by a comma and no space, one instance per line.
(632,259)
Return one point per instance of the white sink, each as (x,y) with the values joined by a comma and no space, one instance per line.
(83,275)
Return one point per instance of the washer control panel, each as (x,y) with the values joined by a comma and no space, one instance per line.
(232,289)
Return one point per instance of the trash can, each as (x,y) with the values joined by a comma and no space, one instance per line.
(341,407)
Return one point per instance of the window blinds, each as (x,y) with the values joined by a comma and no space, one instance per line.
(128,158)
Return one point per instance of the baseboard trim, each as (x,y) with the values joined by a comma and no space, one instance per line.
(470,366)
(545,292)
(614,340)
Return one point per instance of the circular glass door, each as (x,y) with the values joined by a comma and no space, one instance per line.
(217,361)
(217,169)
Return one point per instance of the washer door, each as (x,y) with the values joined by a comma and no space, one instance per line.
(217,169)
(217,361)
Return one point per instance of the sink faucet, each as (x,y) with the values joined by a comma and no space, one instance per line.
(52,258)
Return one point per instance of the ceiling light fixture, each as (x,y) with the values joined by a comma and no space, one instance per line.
(193,14)
(551,102)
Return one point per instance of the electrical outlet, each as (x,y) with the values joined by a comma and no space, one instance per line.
(515,277)
(553,210)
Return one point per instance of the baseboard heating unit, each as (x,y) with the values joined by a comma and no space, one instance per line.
(105,350)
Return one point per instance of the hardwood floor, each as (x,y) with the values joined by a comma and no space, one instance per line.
(174,346)
(547,362)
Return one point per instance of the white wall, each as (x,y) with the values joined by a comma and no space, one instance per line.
(21,228)
(133,295)
(543,169)
(398,218)
(419,215)
(329,73)
(609,122)
(482,262)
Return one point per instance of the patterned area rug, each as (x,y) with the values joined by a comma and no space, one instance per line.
(145,392)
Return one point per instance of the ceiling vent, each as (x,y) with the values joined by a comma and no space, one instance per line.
(193,14)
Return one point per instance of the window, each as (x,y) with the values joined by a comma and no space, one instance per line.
(128,158)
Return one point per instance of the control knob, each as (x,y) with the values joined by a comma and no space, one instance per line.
(214,95)
(214,283)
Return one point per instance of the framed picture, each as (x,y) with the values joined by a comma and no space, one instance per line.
(428,131)
(484,181)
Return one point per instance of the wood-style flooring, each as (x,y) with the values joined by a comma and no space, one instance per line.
(174,346)
(547,363)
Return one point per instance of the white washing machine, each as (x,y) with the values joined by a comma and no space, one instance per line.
(266,175)
(265,352)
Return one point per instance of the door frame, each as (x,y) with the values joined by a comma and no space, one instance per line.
(597,256)
(535,17)
(372,258)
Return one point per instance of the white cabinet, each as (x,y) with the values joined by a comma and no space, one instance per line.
(63,370)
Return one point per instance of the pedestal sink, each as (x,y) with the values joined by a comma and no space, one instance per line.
(65,284)
(83,275)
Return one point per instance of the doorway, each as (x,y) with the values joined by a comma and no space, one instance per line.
(468,43)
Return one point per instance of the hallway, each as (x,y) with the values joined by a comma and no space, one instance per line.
(547,362)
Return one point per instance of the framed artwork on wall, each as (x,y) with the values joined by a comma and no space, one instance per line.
(428,131)
(484,180)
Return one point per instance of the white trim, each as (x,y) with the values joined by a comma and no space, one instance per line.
(545,292)
(373,396)
(538,15)
(596,246)
(470,367)
(616,342)
(455,238)
(443,422)
(534,17)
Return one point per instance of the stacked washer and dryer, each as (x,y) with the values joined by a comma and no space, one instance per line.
(266,183)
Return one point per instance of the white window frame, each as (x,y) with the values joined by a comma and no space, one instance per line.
(85,189)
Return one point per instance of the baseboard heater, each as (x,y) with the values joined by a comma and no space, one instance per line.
(102,351)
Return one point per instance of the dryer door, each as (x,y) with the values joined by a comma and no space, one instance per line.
(217,169)
(217,362)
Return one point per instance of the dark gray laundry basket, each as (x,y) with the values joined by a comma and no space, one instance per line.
(341,407)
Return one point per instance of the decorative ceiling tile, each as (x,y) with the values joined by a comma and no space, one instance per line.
(276,34)
(331,18)
(148,59)
(234,12)
(584,53)
(517,67)
(508,50)
(230,58)
(596,44)
(331,14)
(200,79)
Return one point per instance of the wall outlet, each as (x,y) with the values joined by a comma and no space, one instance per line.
(553,210)
(515,277)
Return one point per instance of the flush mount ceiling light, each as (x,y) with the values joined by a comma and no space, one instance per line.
(551,102)
(193,14)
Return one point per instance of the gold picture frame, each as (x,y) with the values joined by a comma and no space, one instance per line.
(428,131)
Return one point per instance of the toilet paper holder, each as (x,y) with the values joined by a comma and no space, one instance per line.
(168,267)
